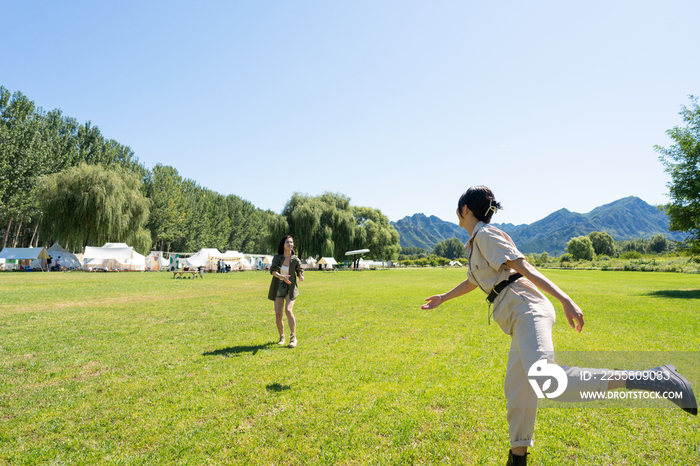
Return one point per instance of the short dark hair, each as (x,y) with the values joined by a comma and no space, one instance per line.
(280,248)
(481,201)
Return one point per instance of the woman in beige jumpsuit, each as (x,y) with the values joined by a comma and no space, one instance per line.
(523,312)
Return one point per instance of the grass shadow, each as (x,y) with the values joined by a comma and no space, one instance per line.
(677,294)
(237,350)
(277,388)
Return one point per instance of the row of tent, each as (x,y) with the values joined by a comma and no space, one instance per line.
(111,256)
(121,257)
(210,259)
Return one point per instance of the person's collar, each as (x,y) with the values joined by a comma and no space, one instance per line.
(476,229)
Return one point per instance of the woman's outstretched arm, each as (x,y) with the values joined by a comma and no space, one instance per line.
(463,288)
(573,313)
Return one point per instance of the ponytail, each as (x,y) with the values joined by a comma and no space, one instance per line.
(481,201)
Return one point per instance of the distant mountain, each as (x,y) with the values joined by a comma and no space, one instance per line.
(624,219)
(425,232)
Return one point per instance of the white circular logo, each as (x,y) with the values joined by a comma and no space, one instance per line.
(541,369)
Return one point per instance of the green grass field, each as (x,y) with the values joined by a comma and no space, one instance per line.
(138,368)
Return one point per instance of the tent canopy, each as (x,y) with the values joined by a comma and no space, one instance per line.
(327,261)
(111,252)
(24,253)
(203,257)
(113,256)
(229,255)
(65,258)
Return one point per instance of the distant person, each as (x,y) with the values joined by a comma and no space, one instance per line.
(523,312)
(285,268)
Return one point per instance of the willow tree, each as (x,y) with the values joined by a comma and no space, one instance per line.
(89,205)
(320,225)
(376,234)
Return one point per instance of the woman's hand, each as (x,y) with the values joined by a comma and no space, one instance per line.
(463,288)
(285,278)
(301,278)
(433,302)
(573,314)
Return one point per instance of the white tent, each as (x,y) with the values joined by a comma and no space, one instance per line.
(65,259)
(230,256)
(29,254)
(164,263)
(327,262)
(206,258)
(113,256)
(263,262)
(240,264)
(235,259)
(309,263)
(366,264)
(23,253)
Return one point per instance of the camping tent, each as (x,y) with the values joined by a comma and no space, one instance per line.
(327,262)
(26,254)
(309,263)
(113,256)
(366,264)
(205,258)
(264,262)
(235,259)
(65,259)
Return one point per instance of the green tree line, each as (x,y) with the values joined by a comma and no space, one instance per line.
(599,243)
(64,181)
(34,143)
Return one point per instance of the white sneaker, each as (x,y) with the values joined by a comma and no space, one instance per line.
(281,342)
(293,341)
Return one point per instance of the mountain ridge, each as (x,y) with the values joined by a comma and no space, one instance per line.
(624,219)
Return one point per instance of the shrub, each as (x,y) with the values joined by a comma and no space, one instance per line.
(581,248)
(632,254)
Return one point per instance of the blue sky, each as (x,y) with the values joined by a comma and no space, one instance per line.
(399,105)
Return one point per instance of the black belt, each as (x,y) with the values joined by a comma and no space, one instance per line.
(501,286)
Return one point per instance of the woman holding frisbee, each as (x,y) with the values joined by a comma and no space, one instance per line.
(285,268)
(523,312)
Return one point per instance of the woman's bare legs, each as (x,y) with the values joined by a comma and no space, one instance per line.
(290,317)
(279,314)
(280,310)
